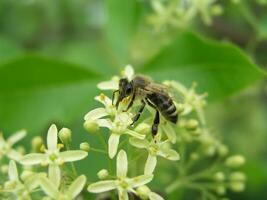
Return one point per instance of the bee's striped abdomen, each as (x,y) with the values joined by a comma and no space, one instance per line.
(165,105)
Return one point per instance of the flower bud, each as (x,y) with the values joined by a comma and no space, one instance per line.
(91,126)
(191,125)
(194,156)
(219,177)
(37,143)
(143,128)
(65,135)
(180,108)
(103,174)
(143,192)
(235,161)
(220,189)
(238,176)
(85,146)
(216,10)
(237,186)
(223,150)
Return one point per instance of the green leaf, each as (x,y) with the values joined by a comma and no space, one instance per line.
(221,69)
(91,54)
(36,91)
(122,21)
(8,50)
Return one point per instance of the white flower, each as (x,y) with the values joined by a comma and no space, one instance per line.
(6,145)
(155,148)
(52,156)
(113,84)
(72,192)
(20,189)
(117,127)
(123,184)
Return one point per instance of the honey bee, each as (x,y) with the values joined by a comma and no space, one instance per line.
(153,94)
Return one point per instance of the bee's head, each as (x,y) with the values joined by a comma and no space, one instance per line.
(125,90)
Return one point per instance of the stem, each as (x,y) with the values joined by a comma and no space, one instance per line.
(98,150)
(71,163)
(174,186)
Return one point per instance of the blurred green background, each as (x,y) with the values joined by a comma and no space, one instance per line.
(54,52)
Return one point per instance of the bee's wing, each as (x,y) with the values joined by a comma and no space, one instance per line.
(157,88)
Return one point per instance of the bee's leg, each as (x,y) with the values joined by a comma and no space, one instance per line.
(155,125)
(136,117)
(113,96)
(130,104)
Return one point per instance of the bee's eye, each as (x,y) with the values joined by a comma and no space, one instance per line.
(128,89)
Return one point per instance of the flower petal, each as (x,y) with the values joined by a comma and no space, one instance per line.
(141,180)
(76,186)
(129,72)
(169,154)
(123,195)
(142,144)
(12,171)
(72,155)
(150,165)
(33,159)
(113,143)
(96,114)
(54,174)
(14,155)
(102,186)
(122,164)
(105,123)
(109,85)
(135,134)
(170,132)
(104,100)
(16,137)
(33,181)
(154,196)
(52,138)
(49,188)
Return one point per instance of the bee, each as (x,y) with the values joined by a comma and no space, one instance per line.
(150,93)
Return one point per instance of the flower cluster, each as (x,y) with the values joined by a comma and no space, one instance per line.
(181,13)
(183,155)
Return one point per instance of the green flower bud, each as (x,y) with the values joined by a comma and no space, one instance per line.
(103,174)
(220,189)
(194,156)
(85,146)
(238,176)
(37,143)
(235,161)
(180,108)
(216,10)
(91,126)
(143,128)
(143,192)
(191,125)
(219,177)
(65,135)
(223,150)
(237,186)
